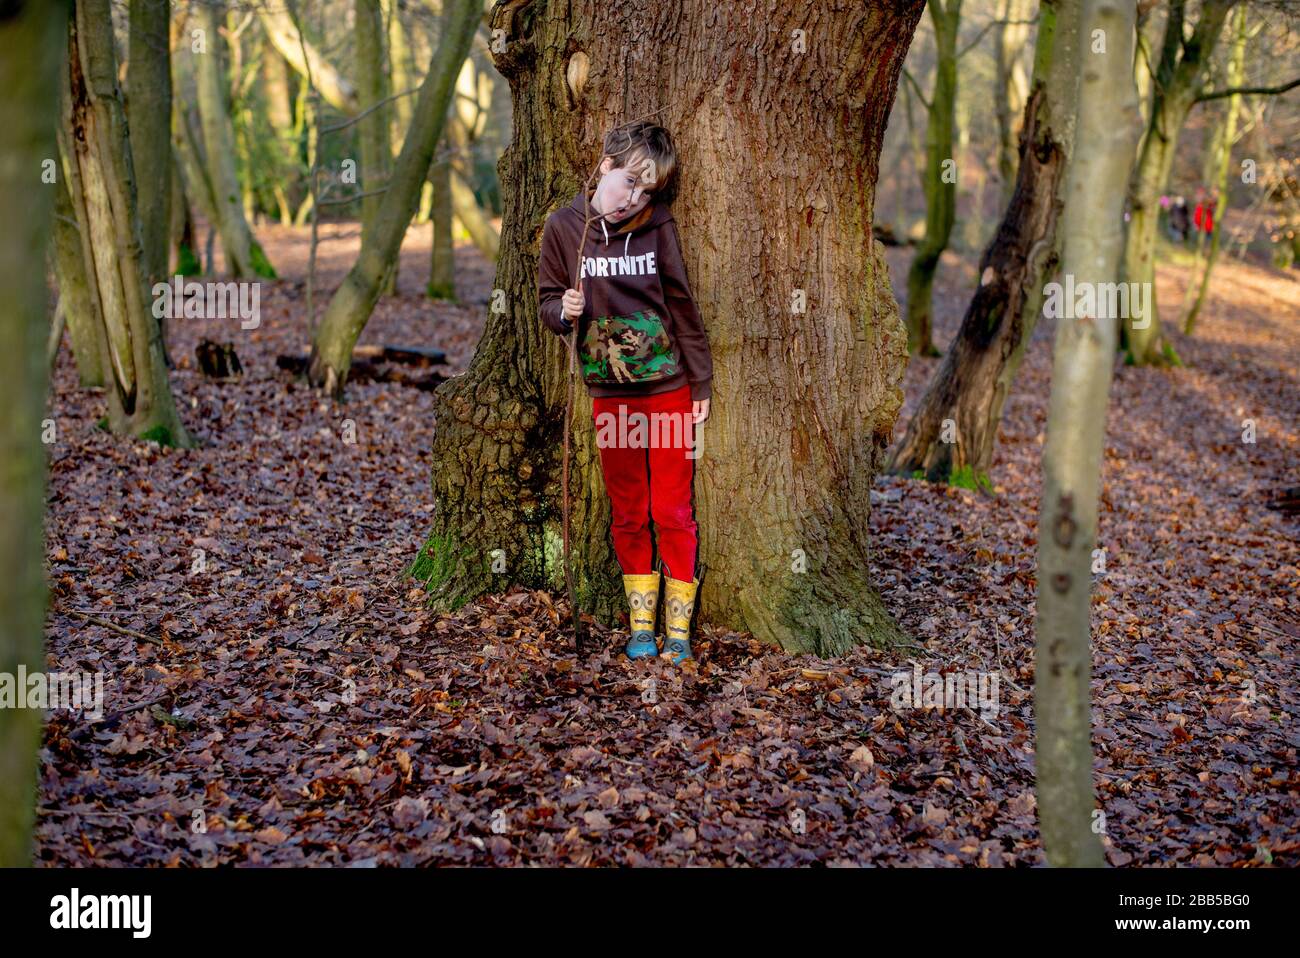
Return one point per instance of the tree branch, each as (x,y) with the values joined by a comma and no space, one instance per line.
(917,87)
(1257,90)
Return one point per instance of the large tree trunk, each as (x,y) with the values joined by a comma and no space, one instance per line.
(74,292)
(1178,81)
(1076,425)
(938,180)
(101,185)
(32,39)
(350,308)
(971,385)
(244,257)
(786,160)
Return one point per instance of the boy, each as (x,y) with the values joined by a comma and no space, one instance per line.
(644,355)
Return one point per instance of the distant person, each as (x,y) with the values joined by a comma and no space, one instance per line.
(1179,227)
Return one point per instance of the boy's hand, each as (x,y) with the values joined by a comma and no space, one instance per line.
(574,303)
(700,410)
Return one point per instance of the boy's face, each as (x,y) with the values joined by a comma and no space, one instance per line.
(622,192)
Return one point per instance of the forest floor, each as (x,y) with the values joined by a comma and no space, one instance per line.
(288,699)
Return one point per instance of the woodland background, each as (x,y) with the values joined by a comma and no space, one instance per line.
(309,660)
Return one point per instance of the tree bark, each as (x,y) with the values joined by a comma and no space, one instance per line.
(101,185)
(1178,80)
(972,383)
(352,304)
(244,256)
(33,37)
(786,159)
(1076,423)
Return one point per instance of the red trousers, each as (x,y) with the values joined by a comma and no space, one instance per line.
(648,473)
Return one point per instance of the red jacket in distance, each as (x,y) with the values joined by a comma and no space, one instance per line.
(640,332)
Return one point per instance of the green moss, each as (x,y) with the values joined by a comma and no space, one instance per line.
(159,434)
(261,265)
(187,264)
(445,291)
(967,478)
(433,564)
(102,425)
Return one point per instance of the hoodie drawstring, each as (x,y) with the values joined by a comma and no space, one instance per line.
(626,239)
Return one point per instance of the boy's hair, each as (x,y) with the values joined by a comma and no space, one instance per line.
(654,142)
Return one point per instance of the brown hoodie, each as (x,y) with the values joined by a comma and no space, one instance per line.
(640,332)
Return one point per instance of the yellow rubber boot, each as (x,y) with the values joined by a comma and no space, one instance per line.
(679,606)
(643,600)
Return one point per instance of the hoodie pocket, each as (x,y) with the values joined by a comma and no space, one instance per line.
(627,349)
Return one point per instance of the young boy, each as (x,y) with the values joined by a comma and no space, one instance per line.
(644,355)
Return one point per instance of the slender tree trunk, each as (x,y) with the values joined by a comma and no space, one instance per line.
(149,111)
(955,427)
(352,304)
(244,257)
(788,454)
(402,71)
(336,90)
(1076,424)
(464,204)
(372,90)
(1227,136)
(939,180)
(1178,81)
(33,37)
(102,188)
(184,240)
(1011,87)
(74,293)
(442,266)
